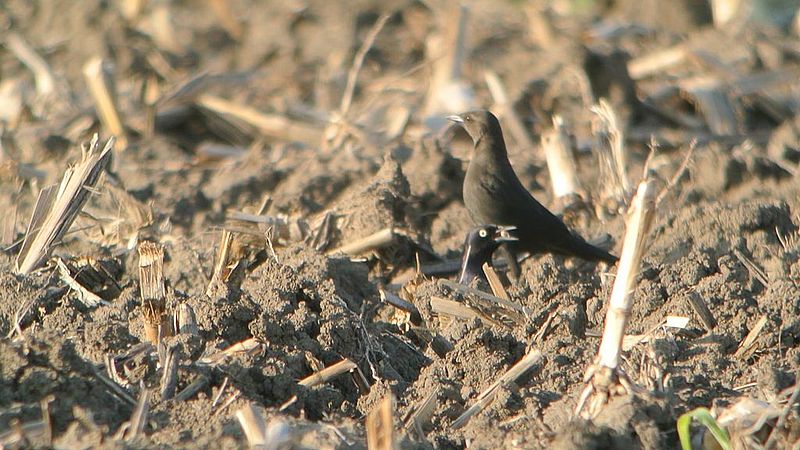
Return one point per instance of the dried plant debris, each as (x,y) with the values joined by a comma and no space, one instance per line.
(152,291)
(118,219)
(95,281)
(604,379)
(268,259)
(58,205)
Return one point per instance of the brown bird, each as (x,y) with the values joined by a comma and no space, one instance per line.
(494,194)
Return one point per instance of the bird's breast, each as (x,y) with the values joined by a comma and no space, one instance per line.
(483,197)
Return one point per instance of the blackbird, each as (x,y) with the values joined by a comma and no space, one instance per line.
(494,194)
(480,244)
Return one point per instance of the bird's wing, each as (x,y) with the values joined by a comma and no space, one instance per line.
(536,224)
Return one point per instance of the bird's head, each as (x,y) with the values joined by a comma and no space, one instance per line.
(477,123)
(489,237)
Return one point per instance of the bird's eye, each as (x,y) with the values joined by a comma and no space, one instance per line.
(468,118)
(483,233)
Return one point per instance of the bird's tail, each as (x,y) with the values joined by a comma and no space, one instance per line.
(589,252)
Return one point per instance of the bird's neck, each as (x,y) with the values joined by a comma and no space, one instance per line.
(472,263)
(490,150)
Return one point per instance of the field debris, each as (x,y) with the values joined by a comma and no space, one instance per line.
(259,244)
(58,205)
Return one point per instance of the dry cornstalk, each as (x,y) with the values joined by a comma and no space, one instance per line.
(85,296)
(494,282)
(632,340)
(372,242)
(58,205)
(152,291)
(42,74)
(657,62)
(604,378)
(447,307)
(259,433)
(100,80)
(723,11)
(399,303)
(131,9)
(193,387)
(540,31)
(337,130)
(119,391)
(611,145)
(250,346)
(253,424)
(222,267)
(328,373)
(185,321)
(272,125)
(746,347)
(485,398)
(561,164)
(169,376)
(380,426)
(139,416)
(507,304)
(447,92)
(506,110)
(419,416)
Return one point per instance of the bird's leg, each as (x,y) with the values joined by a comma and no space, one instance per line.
(511,259)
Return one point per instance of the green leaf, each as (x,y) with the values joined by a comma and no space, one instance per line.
(702,415)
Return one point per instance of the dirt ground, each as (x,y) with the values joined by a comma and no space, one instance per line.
(726,234)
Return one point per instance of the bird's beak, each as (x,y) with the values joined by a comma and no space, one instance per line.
(503,234)
(456,119)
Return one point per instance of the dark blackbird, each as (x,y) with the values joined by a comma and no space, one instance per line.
(494,194)
(480,244)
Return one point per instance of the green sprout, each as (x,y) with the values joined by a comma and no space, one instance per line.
(702,415)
